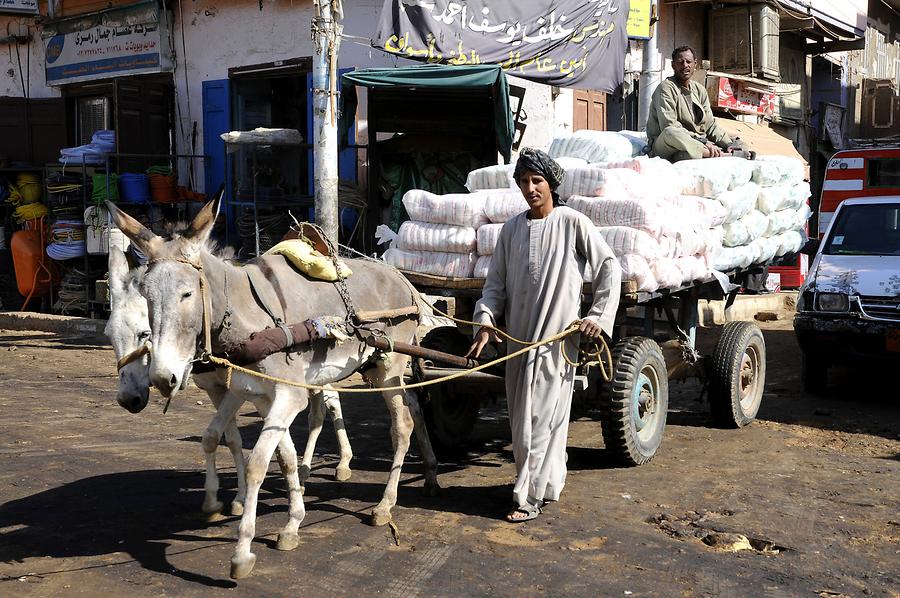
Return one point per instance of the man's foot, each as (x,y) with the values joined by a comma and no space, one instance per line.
(524,513)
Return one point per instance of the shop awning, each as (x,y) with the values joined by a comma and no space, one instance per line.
(435,76)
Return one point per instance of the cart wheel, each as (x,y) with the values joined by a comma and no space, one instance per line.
(633,405)
(738,375)
(814,371)
(450,415)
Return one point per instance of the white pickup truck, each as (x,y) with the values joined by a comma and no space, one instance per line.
(849,307)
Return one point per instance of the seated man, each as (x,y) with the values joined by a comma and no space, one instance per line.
(681,125)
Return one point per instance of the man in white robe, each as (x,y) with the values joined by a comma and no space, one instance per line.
(534,287)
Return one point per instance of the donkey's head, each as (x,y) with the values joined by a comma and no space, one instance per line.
(171,287)
(128,329)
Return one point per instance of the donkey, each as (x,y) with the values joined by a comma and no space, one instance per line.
(128,329)
(190,291)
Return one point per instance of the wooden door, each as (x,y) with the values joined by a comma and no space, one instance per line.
(589,111)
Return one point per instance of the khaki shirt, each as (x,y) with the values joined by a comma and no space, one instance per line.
(673,105)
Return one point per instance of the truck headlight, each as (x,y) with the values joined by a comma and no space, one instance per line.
(832,302)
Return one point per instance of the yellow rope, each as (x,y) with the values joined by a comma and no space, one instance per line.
(227,364)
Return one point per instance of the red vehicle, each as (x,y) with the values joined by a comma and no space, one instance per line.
(862,172)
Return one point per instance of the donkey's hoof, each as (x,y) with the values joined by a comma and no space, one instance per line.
(288,541)
(380,518)
(237,508)
(242,567)
(211,507)
(342,473)
(432,489)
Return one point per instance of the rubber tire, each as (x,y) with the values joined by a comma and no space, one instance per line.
(814,373)
(620,434)
(725,385)
(450,417)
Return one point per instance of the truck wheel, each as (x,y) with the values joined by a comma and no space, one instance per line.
(814,372)
(738,375)
(633,405)
(450,415)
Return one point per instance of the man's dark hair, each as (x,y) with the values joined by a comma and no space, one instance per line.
(681,49)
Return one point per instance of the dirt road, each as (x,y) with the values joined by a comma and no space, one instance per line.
(96,501)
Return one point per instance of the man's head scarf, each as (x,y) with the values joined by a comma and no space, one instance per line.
(540,162)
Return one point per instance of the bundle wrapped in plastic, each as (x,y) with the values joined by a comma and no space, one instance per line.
(764,249)
(782,197)
(638,141)
(747,229)
(636,268)
(790,241)
(705,210)
(428,236)
(593,146)
(569,162)
(500,206)
(791,170)
(459,209)
(729,258)
(623,241)
(667,273)
(738,202)
(766,173)
(660,170)
(693,268)
(650,216)
(457,265)
(488,234)
(711,176)
(801,215)
(688,239)
(780,221)
(491,177)
(482,265)
(590,181)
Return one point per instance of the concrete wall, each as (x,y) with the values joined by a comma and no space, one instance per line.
(31,58)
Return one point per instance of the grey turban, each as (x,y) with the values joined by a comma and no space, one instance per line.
(540,162)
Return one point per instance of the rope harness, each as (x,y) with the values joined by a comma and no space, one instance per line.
(205,352)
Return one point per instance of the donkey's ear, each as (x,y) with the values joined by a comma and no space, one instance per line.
(118,270)
(139,234)
(202,224)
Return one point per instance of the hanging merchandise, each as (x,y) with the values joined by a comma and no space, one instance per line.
(67,240)
(102,143)
(29,187)
(101,193)
(64,196)
(134,188)
(100,233)
(29,211)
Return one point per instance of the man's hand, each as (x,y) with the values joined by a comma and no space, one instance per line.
(482,338)
(712,150)
(590,329)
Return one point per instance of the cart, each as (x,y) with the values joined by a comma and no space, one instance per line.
(631,407)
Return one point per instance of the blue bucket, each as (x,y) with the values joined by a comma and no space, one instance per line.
(134,188)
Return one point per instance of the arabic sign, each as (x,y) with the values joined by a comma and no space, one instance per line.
(19,7)
(569,43)
(737,96)
(106,50)
(638,25)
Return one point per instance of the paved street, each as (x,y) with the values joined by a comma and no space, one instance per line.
(96,501)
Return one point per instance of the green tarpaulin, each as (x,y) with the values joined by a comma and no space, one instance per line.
(434,76)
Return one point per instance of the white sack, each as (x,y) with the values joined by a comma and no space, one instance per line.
(773,199)
(689,239)
(801,215)
(789,242)
(502,205)
(730,258)
(711,176)
(764,249)
(427,236)
(590,181)
(667,273)
(488,234)
(693,268)
(792,170)
(780,221)
(709,212)
(593,146)
(459,209)
(482,266)
(747,229)
(457,265)
(623,241)
(649,216)
(636,268)
(738,202)
(766,173)
(491,177)
(798,195)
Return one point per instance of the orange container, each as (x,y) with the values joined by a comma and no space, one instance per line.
(35,275)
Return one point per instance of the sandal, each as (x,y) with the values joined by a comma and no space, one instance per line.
(529,511)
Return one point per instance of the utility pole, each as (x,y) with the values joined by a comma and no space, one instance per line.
(650,68)
(326,34)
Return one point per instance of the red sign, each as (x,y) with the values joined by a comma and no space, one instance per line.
(740,96)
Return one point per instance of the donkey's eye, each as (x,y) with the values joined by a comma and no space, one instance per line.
(187,294)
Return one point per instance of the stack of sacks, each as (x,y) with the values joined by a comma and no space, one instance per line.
(440,238)
(593,146)
(499,206)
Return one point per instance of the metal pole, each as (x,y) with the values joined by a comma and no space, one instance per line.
(325,31)
(650,68)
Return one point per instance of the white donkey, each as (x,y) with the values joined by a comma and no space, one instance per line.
(128,329)
(190,292)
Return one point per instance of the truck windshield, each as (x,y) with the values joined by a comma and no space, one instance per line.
(866,230)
